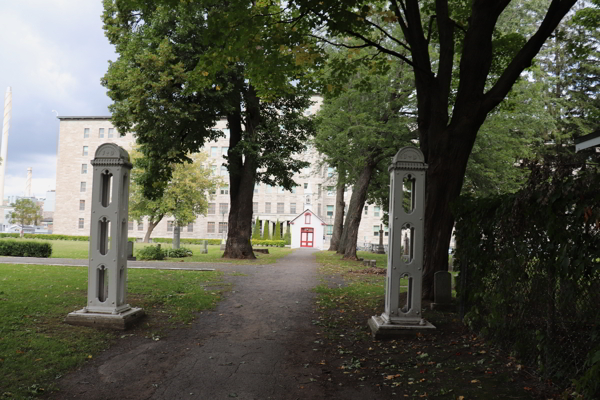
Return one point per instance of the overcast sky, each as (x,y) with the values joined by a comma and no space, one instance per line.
(53,54)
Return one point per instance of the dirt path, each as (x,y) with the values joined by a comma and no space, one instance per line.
(257,344)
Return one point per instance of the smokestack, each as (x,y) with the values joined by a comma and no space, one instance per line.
(28,183)
(5,128)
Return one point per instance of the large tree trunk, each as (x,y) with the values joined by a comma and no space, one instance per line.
(355,209)
(151,226)
(176,235)
(242,174)
(338,221)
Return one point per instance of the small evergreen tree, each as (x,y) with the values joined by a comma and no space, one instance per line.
(266,233)
(256,231)
(277,233)
(288,236)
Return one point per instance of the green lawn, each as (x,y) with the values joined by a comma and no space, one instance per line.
(36,347)
(79,250)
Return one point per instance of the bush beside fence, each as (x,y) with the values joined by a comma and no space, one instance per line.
(274,243)
(529,272)
(15,248)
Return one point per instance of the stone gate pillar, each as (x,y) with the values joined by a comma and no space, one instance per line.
(403,313)
(107,271)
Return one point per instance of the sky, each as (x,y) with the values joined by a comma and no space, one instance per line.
(52,55)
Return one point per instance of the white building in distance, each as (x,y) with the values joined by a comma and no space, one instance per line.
(79,137)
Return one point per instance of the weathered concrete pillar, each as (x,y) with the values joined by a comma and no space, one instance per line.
(176,235)
(205,248)
(403,312)
(442,291)
(107,272)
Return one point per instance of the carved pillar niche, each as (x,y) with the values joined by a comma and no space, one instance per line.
(403,311)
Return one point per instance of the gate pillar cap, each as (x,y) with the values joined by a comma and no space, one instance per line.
(408,158)
(111,154)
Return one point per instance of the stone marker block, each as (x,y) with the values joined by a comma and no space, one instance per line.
(130,256)
(205,247)
(442,291)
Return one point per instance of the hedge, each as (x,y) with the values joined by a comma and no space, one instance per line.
(263,242)
(17,248)
(186,241)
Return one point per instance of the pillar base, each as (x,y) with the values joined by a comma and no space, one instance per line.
(120,321)
(383,330)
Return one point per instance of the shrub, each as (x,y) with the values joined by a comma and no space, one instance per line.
(178,253)
(151,253)
(16,248)
(187,241)
(274,243)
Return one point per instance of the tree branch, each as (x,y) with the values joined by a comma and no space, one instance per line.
(557,10)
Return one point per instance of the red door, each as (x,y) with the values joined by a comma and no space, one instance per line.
(306,237)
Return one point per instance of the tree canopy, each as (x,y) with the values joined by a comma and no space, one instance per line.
(25,212)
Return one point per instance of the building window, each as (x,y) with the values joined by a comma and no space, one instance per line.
(375,230)
(169,226)
(255,207)
(307,218)
(225,189)
(214,151)
(292,208)
(269,188)
(330,171)
(329,230)
(330,191)
(376,211)
(101,132)
(256,186)
(222,227)
(226,132)
(82,187)
(280,208)
(366,210)
(224,151)
(223,208)
(86,133)
(293,191)
(213,170)
(111,132)
(140,226)
(386,231)
(212,208)
(210,228)
(130,225)
(191,227)
(85,150)
(81,205)
(84,168)
(330,211)
(80,223)
(268,208)
(305,185)
(281,189)
(223,170)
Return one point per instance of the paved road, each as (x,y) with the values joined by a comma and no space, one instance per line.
(257,344)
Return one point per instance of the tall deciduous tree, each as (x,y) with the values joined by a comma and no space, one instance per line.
(184,199)
(25,212)
(184,65)
(475,67)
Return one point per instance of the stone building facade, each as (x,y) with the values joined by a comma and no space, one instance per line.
(79,138)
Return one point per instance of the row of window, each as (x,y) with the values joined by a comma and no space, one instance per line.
(110,133)
(214,151)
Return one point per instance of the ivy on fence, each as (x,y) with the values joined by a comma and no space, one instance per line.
(530,265)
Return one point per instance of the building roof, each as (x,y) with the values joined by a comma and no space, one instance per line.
(101,117)
(304,212)
(583,142)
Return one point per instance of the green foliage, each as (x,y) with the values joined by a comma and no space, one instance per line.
(16,248)
(178,253)
(187,241)
(26,212)
(277,233)
(533,267)
(266,234)
(287,238)
(256,231)
(265,242)
(151,253)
